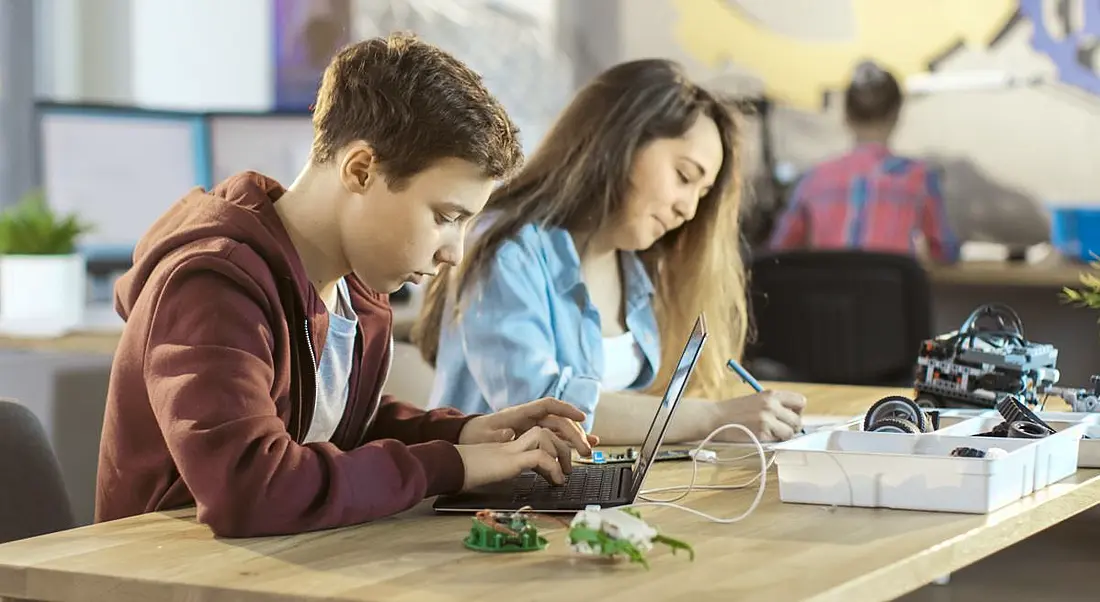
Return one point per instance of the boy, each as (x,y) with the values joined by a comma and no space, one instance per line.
(248,378)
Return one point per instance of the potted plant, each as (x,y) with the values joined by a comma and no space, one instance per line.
(1089,293)
(42,277)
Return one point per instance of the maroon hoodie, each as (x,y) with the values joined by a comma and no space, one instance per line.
(213,384)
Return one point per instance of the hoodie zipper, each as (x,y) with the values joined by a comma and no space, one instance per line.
(316,378)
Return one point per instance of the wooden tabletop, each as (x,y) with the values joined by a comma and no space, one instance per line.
(1054,272)
(780,552)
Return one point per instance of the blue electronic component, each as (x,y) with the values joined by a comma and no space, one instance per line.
(598,457)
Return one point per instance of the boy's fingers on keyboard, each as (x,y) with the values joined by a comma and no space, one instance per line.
(570,431)
(542,463)
(538,438)
(548,406)
(546,444)
(561,450)
(529,439)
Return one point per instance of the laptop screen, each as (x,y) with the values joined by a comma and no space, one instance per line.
(675,390)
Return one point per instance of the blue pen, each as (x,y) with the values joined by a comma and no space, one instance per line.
(749,380)
(744,374)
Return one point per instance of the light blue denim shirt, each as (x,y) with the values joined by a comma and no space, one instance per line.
(528,329)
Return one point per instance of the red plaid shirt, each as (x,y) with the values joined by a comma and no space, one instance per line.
(868,199)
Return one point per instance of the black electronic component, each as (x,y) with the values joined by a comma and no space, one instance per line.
(630,454)
(967,452)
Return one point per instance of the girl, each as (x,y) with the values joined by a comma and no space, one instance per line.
(584,275)
(869,198)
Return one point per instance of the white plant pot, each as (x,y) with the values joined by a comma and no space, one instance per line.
(41,295)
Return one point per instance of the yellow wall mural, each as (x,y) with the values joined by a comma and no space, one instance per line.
(904,37)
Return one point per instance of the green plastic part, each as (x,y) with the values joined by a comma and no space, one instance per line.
(503,533)
(603,544)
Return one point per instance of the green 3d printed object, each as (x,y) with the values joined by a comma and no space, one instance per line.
(613,532)
(502,532)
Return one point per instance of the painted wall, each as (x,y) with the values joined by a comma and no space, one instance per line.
(1007,153)
(218,55)
(17,141)
(194,55)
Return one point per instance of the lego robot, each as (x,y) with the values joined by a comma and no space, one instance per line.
(979,364)
(1079,400)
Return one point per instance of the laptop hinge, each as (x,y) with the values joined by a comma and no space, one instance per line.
(626,482)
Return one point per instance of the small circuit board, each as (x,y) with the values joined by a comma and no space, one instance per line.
(631,454)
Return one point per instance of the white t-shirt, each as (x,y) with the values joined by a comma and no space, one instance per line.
(623,362)
(334,371)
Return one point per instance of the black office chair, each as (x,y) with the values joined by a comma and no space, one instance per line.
(33,500)
(844,317)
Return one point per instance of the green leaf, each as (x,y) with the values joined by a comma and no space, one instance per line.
(31,228)
(1089,293)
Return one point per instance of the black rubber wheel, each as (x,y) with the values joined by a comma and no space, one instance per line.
(894,425)
(896,406)
(1013,410)
(1022,429)
(929,402)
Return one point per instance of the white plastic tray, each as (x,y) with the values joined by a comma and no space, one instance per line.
(813,423)
(947,417)
(952,416)
(1086,417)
(902,471)
(1058,455)
(1088,454)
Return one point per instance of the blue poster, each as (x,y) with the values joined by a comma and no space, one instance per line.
(307,35)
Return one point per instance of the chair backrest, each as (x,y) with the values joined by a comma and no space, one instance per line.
(33,500)
(850,317)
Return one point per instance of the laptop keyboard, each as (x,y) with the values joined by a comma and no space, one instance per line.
(583,484)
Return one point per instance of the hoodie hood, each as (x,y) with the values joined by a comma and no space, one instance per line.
(242,209)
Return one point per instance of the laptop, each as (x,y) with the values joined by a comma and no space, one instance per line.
(606,485)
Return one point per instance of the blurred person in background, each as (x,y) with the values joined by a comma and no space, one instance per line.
(869,198)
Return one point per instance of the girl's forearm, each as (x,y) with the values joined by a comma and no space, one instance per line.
(624,419)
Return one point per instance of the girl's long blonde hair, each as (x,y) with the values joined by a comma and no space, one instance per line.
(578,180)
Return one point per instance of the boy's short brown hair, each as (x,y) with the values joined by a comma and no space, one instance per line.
(414,104)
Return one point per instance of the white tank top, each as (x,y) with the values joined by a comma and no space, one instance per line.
(623,362)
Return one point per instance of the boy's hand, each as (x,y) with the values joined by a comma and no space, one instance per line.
(537,449)
(557,416)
